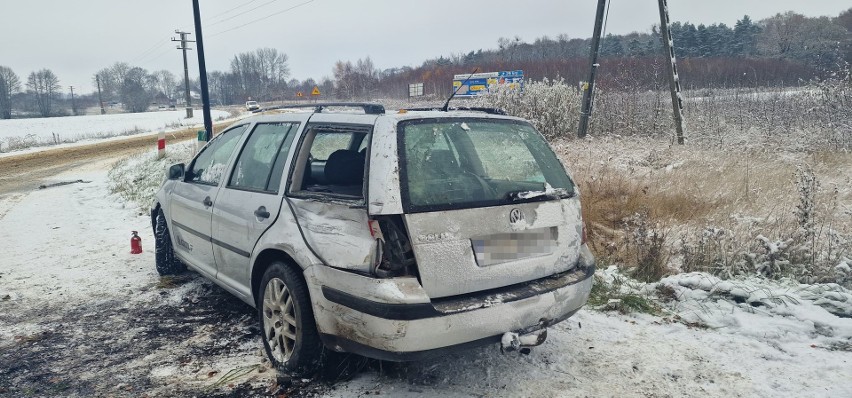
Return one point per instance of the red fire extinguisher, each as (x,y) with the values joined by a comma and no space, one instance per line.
(135,243)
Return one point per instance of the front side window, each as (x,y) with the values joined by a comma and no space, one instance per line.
(458,163)
(264,153)
(209,166)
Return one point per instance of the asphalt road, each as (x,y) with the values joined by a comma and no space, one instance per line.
(25,172)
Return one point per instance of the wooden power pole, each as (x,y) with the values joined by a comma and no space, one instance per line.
(183,46)
(73,103)
(674,80)
(589,86)
(100,98)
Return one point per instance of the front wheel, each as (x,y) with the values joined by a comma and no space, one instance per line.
(290,335)
(164,257)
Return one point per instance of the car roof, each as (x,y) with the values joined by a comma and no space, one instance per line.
(284,115)
(409,115)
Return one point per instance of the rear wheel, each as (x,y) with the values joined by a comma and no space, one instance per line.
(165,259)
(289,331)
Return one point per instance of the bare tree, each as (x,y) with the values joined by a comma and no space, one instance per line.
(344,79)
(112,78)
(136,90)
(9,84)
(274,70)
(366,77)
(44,86)
(262,74)
(164,83)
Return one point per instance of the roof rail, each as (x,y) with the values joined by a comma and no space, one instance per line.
(490,111)
(369,109)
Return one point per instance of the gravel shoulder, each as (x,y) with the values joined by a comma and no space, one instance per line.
(26,171)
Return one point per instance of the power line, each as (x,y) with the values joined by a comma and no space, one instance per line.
(232,9)
(159,55)
(160,43)
(243,13)
(261,19)
(150,58)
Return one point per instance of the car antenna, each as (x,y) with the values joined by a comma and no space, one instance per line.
(447,104)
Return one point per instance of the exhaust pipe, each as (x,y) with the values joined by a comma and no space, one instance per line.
(512,341)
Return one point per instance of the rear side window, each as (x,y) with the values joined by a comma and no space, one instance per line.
(329,162)
(210,164)
(457,163)
(261,161)
(326,143)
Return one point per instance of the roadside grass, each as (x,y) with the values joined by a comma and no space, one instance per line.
(137,178)
(610,296)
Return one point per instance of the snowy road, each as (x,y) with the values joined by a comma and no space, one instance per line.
(80,316)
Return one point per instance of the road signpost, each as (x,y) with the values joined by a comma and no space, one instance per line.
(415,90)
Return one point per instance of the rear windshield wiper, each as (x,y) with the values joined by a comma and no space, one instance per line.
(548,193)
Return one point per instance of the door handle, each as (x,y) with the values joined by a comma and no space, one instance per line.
(207,202)
(261,212)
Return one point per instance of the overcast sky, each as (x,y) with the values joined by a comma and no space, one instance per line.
(76,38)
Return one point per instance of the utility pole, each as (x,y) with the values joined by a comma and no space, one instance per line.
(589,87)
(202,71)
(100,99)
(674,80)
(73,103)
(182,46)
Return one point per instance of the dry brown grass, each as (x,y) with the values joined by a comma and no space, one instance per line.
(684,190)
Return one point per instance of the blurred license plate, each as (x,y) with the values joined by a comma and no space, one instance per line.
(513,246)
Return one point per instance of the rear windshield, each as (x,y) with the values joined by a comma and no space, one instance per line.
(459,163)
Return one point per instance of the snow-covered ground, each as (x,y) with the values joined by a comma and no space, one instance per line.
(73,128)
(80,316)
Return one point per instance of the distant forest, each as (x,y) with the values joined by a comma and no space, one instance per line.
(786,49)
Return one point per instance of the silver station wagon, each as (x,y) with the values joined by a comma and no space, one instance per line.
(396,235)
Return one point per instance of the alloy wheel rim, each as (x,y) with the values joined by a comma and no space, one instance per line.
(279,320)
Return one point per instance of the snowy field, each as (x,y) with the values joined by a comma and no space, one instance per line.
(80,316)
(74,128)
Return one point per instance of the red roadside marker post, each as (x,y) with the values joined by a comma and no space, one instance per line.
(161,144)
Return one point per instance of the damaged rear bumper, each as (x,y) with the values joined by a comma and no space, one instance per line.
(404,324)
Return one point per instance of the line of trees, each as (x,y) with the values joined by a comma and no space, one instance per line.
(259,75)
(785,49)
(135,87)
(42,96)
(10,84)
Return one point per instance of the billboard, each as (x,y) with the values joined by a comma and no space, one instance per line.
(480,83)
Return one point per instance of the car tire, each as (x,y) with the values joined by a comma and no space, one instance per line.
(288,329)
(164,254)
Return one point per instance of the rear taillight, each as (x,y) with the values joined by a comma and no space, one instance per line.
(395,255)
(585,237)
(376,230)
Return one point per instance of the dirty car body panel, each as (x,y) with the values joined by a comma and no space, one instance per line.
(415,232)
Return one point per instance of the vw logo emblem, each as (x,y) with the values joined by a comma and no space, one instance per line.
(516,216)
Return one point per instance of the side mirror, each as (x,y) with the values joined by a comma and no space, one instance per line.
(176,171)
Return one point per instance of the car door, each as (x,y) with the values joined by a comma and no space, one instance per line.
(328,201)
(250,201)
(193,200)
